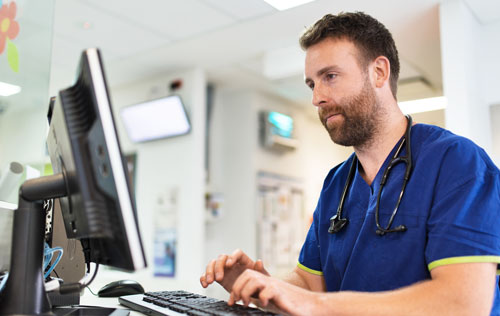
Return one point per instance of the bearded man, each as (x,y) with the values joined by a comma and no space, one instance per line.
(409,224)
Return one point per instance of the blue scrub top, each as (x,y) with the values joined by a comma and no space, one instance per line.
(451,208)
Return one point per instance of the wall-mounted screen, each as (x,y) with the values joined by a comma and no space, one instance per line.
(280,124)
(156,119)
(276,131)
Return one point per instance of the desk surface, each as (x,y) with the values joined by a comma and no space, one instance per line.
(89,299)
(147,281)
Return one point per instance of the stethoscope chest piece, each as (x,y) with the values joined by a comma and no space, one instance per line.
(337,224)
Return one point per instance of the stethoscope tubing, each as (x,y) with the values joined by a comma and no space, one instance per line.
(337,223)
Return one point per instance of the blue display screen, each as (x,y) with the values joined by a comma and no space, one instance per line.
(281,124)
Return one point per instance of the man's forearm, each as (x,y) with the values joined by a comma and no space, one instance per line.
(461,295)
(418,299)
(455,289)
(306,280)
(295,279)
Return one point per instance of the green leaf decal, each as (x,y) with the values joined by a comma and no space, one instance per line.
(12,56)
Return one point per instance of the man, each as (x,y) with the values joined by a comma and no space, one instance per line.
(433,250)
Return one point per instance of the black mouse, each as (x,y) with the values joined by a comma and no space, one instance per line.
(121,288)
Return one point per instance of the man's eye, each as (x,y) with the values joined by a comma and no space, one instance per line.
(311,86)
(331,76)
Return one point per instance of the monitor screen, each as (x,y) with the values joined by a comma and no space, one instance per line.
(280,124)
(276,131)
(156,119)
(83,145)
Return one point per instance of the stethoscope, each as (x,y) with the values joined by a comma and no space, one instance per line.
(337,223)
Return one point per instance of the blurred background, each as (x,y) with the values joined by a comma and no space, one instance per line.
(238,179)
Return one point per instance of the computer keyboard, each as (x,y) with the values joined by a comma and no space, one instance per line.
(184,303)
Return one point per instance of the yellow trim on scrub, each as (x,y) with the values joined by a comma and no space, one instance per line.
(465,259)
(303,267)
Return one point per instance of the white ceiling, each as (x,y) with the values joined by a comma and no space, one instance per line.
(240,43)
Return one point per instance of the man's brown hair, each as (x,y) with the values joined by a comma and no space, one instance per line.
(369,35)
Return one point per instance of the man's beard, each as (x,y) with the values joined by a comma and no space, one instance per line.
(361,114)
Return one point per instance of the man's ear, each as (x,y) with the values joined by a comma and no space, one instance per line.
(381,71)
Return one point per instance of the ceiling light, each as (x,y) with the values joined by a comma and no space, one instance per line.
(423,105)
(7,89)
(286,4)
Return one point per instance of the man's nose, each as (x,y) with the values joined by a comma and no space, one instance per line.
(320,95)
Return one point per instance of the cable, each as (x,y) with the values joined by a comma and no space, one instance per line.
(88,287)
(92,278)
(60,250)
(48,255)
(77,287)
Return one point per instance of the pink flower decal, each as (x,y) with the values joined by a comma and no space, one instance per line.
(8,27)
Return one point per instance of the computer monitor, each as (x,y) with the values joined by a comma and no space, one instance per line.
(90,180)
(83,144)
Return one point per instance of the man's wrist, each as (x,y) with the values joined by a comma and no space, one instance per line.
(320,303)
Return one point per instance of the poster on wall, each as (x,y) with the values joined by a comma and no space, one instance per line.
(164,252)
(280,221)
(165,234)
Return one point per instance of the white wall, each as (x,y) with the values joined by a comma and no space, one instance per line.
(22,139)
(490,82)
(169,167)
(495,130)
(314,157)
(236,157)
(163,166)
(22,135)
(470,53)
(232,172)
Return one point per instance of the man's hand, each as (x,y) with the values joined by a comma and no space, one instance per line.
(272,294)
(227,268)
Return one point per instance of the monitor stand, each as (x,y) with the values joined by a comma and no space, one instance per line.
(24,294)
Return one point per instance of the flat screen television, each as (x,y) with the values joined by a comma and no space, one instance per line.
(156,119)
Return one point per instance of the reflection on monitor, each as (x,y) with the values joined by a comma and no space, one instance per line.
(161,118)
(90,180)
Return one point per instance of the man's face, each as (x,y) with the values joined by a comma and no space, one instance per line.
(342,91)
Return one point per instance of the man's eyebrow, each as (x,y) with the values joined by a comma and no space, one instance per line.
(323,71)
(327,69)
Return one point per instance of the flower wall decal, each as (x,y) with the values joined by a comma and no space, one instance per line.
(9,29)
